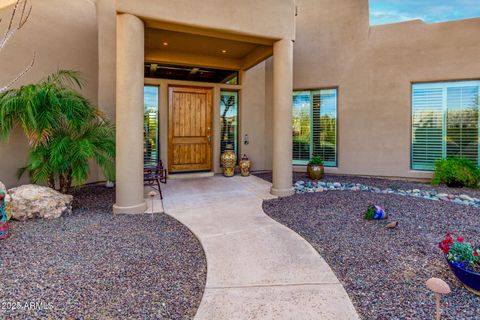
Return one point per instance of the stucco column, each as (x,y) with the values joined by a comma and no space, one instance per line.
(282,118)
(129,115)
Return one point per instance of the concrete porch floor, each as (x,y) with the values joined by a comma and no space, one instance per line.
(257,268)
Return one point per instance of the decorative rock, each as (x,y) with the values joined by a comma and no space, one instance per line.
(32,201)
(466,197)
(302,187)
(2,187)
(392,225)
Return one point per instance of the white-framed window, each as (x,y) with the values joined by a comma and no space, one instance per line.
(315,126)
(445,122)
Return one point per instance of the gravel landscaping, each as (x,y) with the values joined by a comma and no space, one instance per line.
(384,271)
(379,183)
(94,265)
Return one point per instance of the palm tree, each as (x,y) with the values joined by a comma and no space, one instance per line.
(40,108)
(68,152)
(64,130)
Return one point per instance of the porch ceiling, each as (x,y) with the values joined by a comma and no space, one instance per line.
(196,44)
(175,47)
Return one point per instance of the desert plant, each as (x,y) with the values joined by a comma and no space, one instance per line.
(456,172)
(64,130)
(315,160)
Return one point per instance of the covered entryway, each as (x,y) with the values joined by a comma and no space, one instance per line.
(197,72)
(189,129)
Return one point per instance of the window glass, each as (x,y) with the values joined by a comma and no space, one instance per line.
(150,126)
(315,126)
(444,122)
(302,123)
(229,120)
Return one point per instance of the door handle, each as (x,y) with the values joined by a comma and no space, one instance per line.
(208,135)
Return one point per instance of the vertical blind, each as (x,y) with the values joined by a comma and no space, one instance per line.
(315,126)
(444,122)
(150,126)
(228,120)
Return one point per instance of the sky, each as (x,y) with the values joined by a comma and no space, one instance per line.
(430,11)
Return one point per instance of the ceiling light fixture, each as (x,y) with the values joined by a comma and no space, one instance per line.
(165,44)
(224,51)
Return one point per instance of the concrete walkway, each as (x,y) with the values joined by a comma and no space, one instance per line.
(257,268)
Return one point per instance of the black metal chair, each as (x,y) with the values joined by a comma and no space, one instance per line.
(154,175)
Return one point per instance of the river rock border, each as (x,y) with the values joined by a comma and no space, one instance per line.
(311,187)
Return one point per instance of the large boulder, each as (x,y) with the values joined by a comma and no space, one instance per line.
(32,201)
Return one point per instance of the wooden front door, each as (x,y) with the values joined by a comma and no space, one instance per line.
(190,129)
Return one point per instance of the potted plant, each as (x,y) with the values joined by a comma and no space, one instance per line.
(464,261)
(315,167)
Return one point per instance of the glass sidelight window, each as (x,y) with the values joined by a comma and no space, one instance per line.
(315,126)
(445,122)
(229,120)
(151,146)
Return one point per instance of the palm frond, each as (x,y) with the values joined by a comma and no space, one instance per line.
(65,78)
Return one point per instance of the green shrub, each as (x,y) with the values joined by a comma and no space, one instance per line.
(456,172)
(315,160)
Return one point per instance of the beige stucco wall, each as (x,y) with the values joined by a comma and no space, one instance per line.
(374,68)
(266,18)
(107,56)
(64,36)
(253,117)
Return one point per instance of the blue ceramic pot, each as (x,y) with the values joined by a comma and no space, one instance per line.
(470,279)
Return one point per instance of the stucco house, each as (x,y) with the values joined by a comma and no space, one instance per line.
(181,77)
